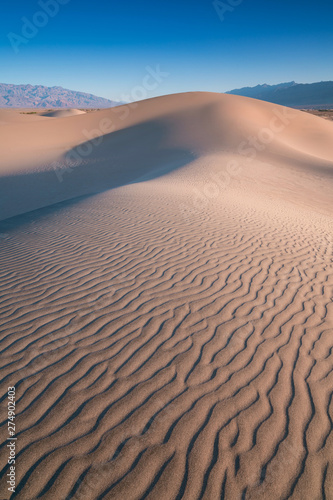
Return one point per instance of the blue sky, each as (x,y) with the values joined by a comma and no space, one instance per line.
(105,47)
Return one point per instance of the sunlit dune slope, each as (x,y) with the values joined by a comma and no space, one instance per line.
(150,138)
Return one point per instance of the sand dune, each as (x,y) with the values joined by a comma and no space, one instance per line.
(58,162)
(11,116)
(167,314)
(61,113)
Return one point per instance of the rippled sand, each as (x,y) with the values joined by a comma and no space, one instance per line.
(166,301)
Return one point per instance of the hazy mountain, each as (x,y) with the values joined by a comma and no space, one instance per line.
(38,96)
(295,95)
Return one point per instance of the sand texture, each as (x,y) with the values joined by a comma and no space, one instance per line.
(167,301)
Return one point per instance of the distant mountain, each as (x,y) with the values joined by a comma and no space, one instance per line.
(38,96)
(292,94)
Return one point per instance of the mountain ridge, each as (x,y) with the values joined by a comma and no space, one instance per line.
(295,95)
(40,96)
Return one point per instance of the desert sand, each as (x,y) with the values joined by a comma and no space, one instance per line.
(61,113)
(166,301)
(327,114)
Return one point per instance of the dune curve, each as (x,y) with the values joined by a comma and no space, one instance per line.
(167,314)
(61,113)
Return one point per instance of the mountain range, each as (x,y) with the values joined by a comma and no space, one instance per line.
(292,94)
(38,96)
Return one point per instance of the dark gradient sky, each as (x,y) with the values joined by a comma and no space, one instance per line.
(105,47)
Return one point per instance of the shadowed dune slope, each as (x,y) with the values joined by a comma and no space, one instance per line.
(149,138)
(166,302)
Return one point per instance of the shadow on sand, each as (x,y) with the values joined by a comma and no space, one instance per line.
(138,153)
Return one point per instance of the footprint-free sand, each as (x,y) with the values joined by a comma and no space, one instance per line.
(167,301)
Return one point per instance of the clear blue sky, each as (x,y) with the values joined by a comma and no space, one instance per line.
(103,47)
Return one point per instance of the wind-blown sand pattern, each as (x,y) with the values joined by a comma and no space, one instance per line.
(166,309)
